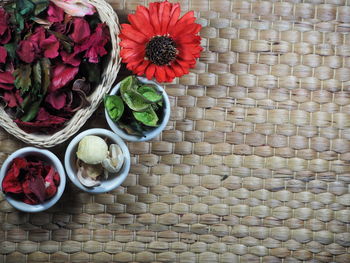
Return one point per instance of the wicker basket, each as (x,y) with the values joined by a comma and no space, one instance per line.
(109,75)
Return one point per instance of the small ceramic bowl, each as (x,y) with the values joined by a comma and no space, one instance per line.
(149,135)
(106,185)
(45,156)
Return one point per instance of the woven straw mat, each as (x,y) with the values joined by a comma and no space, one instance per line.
(252,167)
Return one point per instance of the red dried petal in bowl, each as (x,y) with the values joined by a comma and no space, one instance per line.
(56,178)
(11,183)
(37,187)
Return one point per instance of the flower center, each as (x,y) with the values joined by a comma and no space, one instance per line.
(161,50)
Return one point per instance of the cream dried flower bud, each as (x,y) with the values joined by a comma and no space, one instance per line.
(92,149)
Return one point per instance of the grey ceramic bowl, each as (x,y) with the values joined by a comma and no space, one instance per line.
(49,158)
(113,181)
(149,135)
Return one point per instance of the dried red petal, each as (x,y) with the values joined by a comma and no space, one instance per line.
(81,30)
(44,123)
(55,13)
(38,36)
(71,59)
(27,51)
(3,54)
(56,178)
(95,46)
(56,99)
(61,75)
(51,46)
(5,32)
(50,184)
(7,78)
(37,187)
(10,183)
(10,99)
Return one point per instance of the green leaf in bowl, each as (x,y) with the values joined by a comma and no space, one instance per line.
(150,93)
(128,84)
(135,101)
(114,106)
(147,117)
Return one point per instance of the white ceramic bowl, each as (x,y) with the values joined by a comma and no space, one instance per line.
(113,181)
(149,135)
(47,157)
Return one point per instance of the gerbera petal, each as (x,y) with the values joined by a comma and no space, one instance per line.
(130,55)
(184,65)
(185,54)
(141,24)
(187,18)
(186,28)
(129,32)
(194,49)
(150,71)
(187,39)
(170,73)
(144,11)
(153,11)
(133,65)
(174,13)
(142,67)
(164,16)
(177,69)
(128,43)
(160,74)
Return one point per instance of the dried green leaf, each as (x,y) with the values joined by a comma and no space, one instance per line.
(19,22)
(32,111)
(150,93)
(46,74)
(25,7)
(37,78)
(11,50)
(23,77)
(135,101)
(40,6)
(114,106)
(147,117)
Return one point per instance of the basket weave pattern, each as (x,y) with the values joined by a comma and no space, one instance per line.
(109,75)
(253,166)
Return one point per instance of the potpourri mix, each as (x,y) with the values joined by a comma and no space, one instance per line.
(50,60)
(31,180)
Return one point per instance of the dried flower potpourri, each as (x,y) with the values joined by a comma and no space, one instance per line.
(31,180)
(158,43)
(50,56)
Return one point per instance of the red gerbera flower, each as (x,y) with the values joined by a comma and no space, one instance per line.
(160,44)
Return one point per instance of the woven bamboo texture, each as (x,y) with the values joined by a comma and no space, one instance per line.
(252,167)
(109,74)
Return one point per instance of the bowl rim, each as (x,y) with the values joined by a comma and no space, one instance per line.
(120,177)
(150,134)
(27,151)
